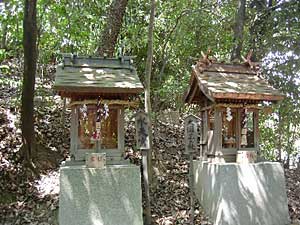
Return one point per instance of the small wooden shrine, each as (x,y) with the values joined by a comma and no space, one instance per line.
(229,96)
(99,90)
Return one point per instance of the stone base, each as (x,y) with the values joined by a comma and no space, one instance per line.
(106,196)
(242,194)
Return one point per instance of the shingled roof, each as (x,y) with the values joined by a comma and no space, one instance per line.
(87,75)
(219,82)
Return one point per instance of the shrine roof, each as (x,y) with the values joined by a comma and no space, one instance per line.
(220,81)
(80,75)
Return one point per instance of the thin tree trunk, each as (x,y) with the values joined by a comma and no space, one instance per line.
(4,29)
(279,145)
(238,31)
(30,57)
(112,27)
(4,35)
(148,70)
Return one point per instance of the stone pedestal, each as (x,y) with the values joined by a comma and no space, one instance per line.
(100,196)
(242,194)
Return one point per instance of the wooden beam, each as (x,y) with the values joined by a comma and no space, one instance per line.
(191,83)
(203,89)
(74,133)
(230,68)
(256,128)
(217,137)
(121,132)
(193,92)
(90,95)
(133,104)
(238,128)
(207,108)
(260,97)
(98,90)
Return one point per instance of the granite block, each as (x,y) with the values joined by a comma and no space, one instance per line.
(100,196)
(242,194)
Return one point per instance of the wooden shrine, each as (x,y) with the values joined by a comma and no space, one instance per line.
(99,90)
(229,96)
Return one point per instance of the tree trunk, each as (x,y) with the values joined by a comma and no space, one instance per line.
(148,70)
(279,144)
(4,28)
(112,27)
(238,31)
(4,35)
(259,27)
(30,57)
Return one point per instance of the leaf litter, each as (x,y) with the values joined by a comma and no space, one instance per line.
(26,199)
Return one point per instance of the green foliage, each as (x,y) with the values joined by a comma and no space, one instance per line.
(283,72)
(182,30)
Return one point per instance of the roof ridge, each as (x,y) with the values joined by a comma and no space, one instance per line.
(206,62)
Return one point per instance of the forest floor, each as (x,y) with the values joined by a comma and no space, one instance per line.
(29,199)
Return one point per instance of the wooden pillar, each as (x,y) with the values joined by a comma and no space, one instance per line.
(256,129)
(74,132)
(217,136)
(238,128)
(121,131)
(204,134)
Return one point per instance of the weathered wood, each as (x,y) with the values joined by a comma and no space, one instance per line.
(191,128)
(132,103)
(231,77)
(192,125)
(80,90)
(229,82)
(146,187)
(217,136)
(63,112)
(238,128)
(230,68)
(261,97)
(191,186)
(142,130)
(97,75)
(201,134)
(189,90)
(121,132)
(204,117)
(256,129)
(94,95)
(204,88)
(74,133)
(206,108)
(96,62)
(241,104)
(210,146)
(194,88)
(205,134)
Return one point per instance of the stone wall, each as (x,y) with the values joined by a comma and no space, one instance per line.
(94,196)
(242,194)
